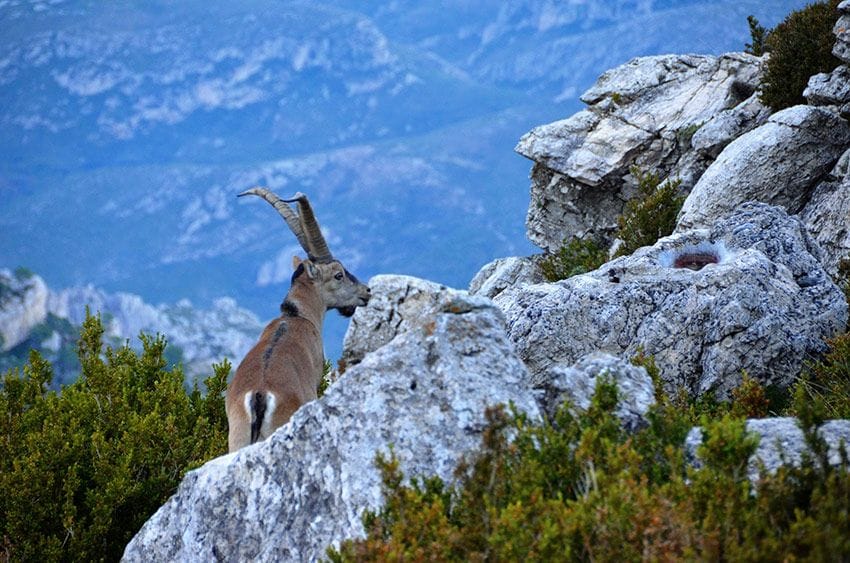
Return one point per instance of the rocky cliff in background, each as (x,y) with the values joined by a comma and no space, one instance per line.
(31,315)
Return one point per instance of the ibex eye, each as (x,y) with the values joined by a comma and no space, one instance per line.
(338,276)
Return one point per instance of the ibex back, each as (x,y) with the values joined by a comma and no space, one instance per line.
(282,371)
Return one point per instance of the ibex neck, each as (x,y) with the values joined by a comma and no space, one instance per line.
(303,300)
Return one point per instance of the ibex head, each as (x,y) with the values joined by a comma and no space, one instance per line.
(338,288)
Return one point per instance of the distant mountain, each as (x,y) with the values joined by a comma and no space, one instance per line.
(127,128)
(34,317)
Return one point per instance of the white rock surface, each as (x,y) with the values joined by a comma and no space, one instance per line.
(765,307)
(398,303)
(829,89)
(506,273)
(827,216)
(778,163)
(288,498)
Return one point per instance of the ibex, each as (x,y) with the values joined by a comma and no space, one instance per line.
(282,371)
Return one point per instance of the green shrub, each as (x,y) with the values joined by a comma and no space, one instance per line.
(576,256)
(758,34)
(827,382)
(651,215)
(800,47)
(82,470)
(579,489)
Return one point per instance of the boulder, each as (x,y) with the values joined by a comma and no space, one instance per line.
(397,304)
(749,293)
(829,89)
(506,273)
(841,49)
(577,384)
(728,125)
(827,216)
(781,443)
(642,113)
(778,163)
(305,488)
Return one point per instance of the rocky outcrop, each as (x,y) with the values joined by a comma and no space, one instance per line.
(398,303)
(506,273)
(841,49)
(23,306)
(749,293)
(827,215)
(728,125)
(829,89)
(778,163)
(642,113)
(577,384)
(781,444)
(288,498)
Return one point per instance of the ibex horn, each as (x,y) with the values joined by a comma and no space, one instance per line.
(319,251)
(285,211)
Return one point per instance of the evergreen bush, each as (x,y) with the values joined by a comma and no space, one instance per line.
(83,469)
(651,215)
(576,256)
(799,47)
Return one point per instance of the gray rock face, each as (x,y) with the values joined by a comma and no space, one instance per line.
(23,305)
(728,125)
(827,216)
(304,488)
(765,306)
(577,383)
(641,113)
(778,163)
(398,303)
(506,273)
(842,32)
(829,89)
(781,443)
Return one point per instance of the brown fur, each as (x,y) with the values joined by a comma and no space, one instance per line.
(287,361)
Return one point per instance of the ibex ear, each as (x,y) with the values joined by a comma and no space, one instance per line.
(296,261)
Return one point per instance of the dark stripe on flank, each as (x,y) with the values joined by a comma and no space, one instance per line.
(258,413)
(281,330)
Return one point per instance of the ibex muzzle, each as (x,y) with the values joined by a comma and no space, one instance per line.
(283,370)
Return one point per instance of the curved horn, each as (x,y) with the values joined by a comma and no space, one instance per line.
(319,251)
(286,212)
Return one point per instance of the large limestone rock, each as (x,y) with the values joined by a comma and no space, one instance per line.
(781,444)
(827,215)
(642,113)
(577,384)
(829,88)
(288,498)
(398,304)
(778,163)
(23,305)
(764,307)
(506,273)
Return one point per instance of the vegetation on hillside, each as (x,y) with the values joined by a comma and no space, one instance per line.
(799,47)
(82,470)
